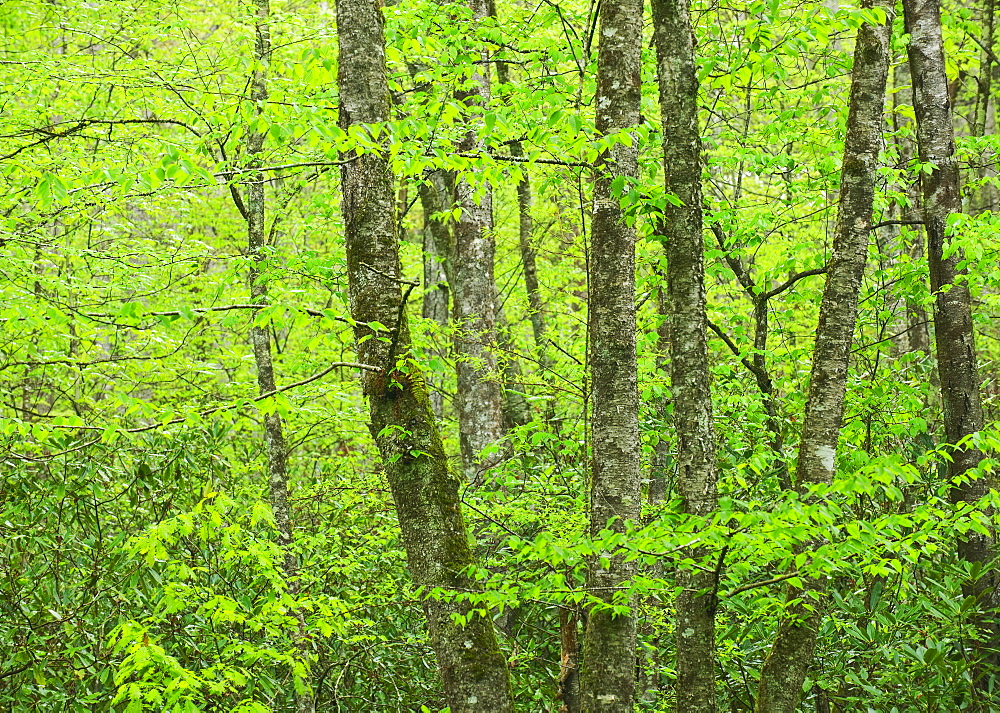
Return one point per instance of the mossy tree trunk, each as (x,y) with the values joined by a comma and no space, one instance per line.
(688,345)
(437,241)
(479,397)
(607,680)
(787,662)
(424,490)
(953,330)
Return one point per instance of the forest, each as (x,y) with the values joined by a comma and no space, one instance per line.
(562,356)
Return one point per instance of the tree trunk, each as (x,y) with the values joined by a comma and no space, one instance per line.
(689,372)
(954,336)
(979,200)
(260,337)
(480,395)
(437,241)
(785,667)
(568,692)
(607,681)
(425,492)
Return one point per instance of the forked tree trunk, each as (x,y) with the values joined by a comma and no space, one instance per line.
(425,492)
(689,372)
(260,335)
(785,667)
(607,681)
(479,398)
(953,330)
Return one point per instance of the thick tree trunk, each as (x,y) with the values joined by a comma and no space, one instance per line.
(689,372)
(480,395)
(607,681)
(260,336)
(954,335)
(424,490)
(785,667)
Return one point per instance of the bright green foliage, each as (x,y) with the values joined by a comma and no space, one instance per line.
(139,569)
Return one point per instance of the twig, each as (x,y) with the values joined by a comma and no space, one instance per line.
(764,583)
(791,281)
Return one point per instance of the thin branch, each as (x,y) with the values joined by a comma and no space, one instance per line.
(751,367)
(734,264)
(763,583)
(791,281)
(523,159)
(215,409)
(895,222)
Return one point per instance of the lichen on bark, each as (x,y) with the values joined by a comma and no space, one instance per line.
(424,490)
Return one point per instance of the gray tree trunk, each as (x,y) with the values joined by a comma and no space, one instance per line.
(425,492)
(437,241)
(607,680)
(980,199)
(953,329)
(785,667)
(480,398)
(529,268)
(260,337)
(689,372)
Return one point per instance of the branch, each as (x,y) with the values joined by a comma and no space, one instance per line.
(895,222)
(734,264)
(215,409)
(522,159)
(177,313)
(791,281)
(764,583)
(753,369)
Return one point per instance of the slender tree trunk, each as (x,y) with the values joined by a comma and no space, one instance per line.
(425,492)
(979,200)
(689,372)
(260,338)
(984,81)
(917,331)
(568,693)
(607,681)
(437,242)
(480,395)
(785,667)
(516,409)
(953,330)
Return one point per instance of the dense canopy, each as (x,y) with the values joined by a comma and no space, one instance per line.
(498,355)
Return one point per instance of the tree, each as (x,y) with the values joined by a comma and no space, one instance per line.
(480,396)
(954,337)
(253,210)
(425,491)
(688,323)
(607,678)
(788,660)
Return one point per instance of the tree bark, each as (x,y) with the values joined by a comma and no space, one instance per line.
(568,691)
(954,334)
(980,199)
(480,395)
(529,269)
(607,681)
(433,531)
(437,240)
(260,337)
(785,667)
(689,371)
